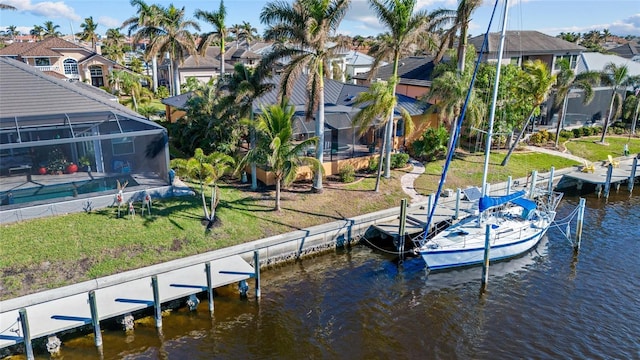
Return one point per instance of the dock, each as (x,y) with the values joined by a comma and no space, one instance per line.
(624,172)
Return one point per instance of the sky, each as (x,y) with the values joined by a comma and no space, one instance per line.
(621,17)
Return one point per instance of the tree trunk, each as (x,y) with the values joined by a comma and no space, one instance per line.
(214,199)
(462,47)
(388,130)
(252,145)
(278,195)
(222,51)
(608,119)
(176,78)
(154,67)
(380,162)
(505,161)
(561,115)
(317,180)
(635,117)
(204,202)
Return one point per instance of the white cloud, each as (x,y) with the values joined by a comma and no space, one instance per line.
(48,9)
(109,22)
(628,26)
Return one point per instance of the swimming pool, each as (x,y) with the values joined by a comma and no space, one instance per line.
(72,189)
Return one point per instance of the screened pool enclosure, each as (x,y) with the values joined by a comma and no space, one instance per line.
(56,157)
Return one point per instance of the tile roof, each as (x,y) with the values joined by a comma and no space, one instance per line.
(412,70)
(46,47)
(26,91)
(526,42)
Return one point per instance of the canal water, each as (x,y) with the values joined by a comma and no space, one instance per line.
(357,304)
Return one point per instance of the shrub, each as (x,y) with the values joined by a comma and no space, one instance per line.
(373,164)
(431,145)
(576,133)
(566,134)
(535,138)
(347,173)
(399,160)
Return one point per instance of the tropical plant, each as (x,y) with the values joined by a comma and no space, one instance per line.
(305,25)
(88,32)
(378,110)
(129,84)
(51,30)
(459,19)
(219,33)
(276,149)
(432,144)
(7,7)
(537,85)
(113,45)
(147,111)
(12,31)
(404,26)
(630,111)
(615,76)
(248,33)
(37,31)
(146,16)
(206,170)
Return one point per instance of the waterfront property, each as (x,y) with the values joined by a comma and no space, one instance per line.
(58,142)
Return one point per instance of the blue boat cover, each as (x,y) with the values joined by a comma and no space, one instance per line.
(488,202)
(525,203)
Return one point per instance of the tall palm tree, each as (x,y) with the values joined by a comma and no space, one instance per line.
(248,33)
(245,86)
(12,31)
(236,30)
(276,147)
(51,30)
(37,31)
(306,26)
(568,80)
(219,33)
(380,102)
(169,33)
(88,32)
(7,7)
(616,77)
(206,170)
(537,84)
(128,83)
(113,45)
(146,16)
(404,27)
(459,19)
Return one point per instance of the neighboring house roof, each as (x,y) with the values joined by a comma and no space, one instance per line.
(412,70)
(628,50)
(47,47)
(178,101)
(26,91)
(593,61)
(527,43)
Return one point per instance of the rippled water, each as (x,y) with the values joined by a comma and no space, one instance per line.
(357,304)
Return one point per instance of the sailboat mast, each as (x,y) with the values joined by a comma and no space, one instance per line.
(494,98)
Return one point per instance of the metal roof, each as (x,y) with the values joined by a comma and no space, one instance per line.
(412,70)
(527,42)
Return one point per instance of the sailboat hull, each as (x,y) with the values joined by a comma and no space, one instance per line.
(463,244)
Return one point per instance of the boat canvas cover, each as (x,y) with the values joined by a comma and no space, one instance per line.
(488,202)
(527,205)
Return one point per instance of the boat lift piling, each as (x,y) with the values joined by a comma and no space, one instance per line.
(632,176)
(485,262)
(509,182)
(156,302)
(551,175)
(401,229)
(581,206)
(26,333)
(458,195)
(607,183)
(534,179)
(95,320)
(256,267)
(207,270)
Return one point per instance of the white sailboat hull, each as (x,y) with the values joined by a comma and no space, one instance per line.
(463,244)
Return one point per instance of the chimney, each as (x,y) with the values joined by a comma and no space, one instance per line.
(99,48)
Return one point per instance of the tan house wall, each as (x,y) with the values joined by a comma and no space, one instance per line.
(411,91)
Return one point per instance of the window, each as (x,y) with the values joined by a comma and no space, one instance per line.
(97,79)
(122,146)
(95,70)
(42,61)
(572,59)
(70,67)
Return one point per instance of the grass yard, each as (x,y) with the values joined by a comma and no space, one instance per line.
(589,149)
(466,169)
(52,252)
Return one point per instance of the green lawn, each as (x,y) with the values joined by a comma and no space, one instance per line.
(589,149)
(466,169)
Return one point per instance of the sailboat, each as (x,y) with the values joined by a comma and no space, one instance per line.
(512,223)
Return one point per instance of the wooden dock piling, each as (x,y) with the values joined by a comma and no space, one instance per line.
(458,195)
(95,319)
(551,175)
(607,183)
(156,301)
(485,262)
(401,229)
(207,269)
(632,176)
(581,207)
(26,333)
(534,180)
(256,268)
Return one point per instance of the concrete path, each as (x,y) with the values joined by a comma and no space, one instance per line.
(407,181)
(556,153)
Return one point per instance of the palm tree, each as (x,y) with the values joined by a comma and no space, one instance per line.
(306,25)
(130,84)
(380,102)
(235,29)
(114,45)
(248,33)
(570,37)
(404,27)
(460,19)
(147,16)
(276,147)
(245,86)
(566,81)
(12,31)
(37,31)
(7,7)
(537,84)
(169,33)
(88,32)
(206,170)
(219,33)
(616,77)
(51,30)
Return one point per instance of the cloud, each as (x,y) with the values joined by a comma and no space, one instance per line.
(47,9)
(627,26)
(109,22)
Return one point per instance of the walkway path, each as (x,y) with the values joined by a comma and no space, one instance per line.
(556,153)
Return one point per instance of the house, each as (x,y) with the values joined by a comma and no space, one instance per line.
(630,50)
(343,143)
(598,109)
(414,72)
(351,63)
(63,59)
(521,46)
(64,146)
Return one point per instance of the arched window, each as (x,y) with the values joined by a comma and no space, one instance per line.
(71,67)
